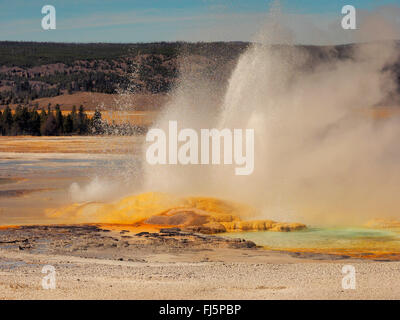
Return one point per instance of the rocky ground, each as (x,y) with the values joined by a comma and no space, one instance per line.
(94,262)
(92,240)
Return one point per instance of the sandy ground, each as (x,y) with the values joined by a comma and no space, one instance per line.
(94,264)
(28,146)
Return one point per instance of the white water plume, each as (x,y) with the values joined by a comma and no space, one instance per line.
(320,155)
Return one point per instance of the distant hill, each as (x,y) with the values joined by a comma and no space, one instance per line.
(30,70)
(38,73)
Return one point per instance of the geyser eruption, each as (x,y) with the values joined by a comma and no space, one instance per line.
(320,157)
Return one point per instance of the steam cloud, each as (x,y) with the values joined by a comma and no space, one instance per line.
(320,155)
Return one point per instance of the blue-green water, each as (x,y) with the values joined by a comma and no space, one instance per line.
(326,238)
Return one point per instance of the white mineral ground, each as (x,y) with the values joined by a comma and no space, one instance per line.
(208,274)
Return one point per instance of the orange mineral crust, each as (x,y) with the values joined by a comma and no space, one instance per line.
(9,227)
(201,214)
(153,211)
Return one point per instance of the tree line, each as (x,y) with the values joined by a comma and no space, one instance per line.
(30,54)
(32,121)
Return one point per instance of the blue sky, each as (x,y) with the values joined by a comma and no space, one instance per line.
(170,20)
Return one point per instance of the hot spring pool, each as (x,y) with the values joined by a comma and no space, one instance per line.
(360,241)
